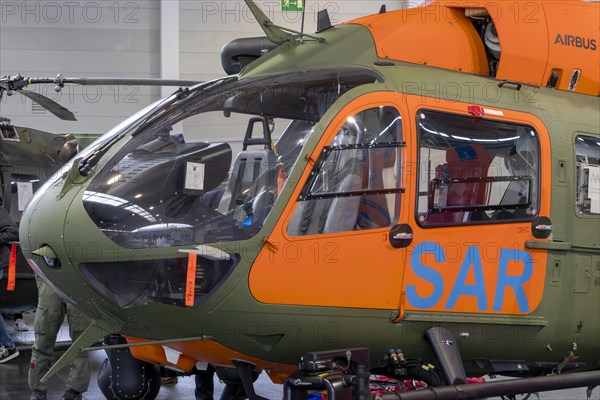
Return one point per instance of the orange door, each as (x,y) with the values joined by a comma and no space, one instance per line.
(480,191)
(332,245)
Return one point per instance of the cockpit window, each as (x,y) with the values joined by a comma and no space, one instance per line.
(474,170)
(587,151)
(8,132)
(173,183)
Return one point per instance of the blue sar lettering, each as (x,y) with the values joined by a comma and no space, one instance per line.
(512,284)
(427,273)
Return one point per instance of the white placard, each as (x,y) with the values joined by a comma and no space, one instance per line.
(171,355)
(24,193)
(491,111)
(194,176)
(594,189)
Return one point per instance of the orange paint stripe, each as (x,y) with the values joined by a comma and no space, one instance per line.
(12,264)
(190,283)
(209,351)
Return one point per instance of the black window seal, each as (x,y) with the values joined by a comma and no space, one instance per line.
(516,206)
(306,194)
(419,215)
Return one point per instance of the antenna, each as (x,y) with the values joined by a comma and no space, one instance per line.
(302,23)
(275,33)
(323,21)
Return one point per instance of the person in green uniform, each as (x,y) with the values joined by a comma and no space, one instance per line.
(49,316)
(9,232)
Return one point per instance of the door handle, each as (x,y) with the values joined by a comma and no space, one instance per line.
(401,236)
(541,228)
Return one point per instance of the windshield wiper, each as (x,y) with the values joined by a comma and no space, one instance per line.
(180,94)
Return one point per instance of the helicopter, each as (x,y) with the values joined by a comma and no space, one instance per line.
(28,157)
(429,210)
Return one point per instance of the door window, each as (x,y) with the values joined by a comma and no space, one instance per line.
(473,170)
(356,182)
(587,151)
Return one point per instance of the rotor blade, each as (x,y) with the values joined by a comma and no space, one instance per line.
(130,81)
(49,105)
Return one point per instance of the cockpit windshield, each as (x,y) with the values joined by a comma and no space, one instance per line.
(209,165)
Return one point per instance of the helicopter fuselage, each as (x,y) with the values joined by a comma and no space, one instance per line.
(398,197)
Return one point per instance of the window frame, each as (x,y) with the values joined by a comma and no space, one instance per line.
(588,136)
(306,193)
(420,215)
(488,179)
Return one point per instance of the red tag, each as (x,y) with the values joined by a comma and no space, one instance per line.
(12,270)
(190,282)
(476,111)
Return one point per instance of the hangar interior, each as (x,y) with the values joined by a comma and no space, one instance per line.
(143,38)
(171,39)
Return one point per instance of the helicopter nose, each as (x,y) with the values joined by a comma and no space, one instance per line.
(42,228)
(41,236)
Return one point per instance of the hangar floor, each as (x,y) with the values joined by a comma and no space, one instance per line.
(13,374)
(13,378)
(13,382)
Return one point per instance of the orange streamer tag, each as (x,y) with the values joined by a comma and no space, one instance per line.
(12,268)
(190,282)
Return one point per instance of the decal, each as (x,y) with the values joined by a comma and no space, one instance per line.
(466,152)
(24,193)
(194,176)
(491,111)
(190,281)
(488,287)
(576,41)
